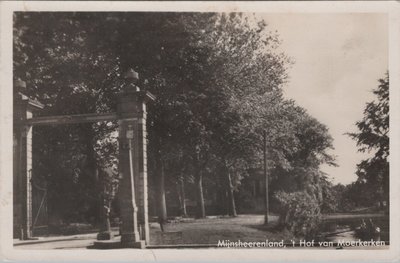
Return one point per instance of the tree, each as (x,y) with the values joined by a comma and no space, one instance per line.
(373,137)
(301,214)
(300,147)
(61,65)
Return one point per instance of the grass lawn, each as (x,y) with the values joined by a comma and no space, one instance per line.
(210,230)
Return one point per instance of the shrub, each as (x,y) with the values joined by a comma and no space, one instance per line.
(300,213)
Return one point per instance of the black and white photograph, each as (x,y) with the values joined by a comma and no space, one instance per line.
(204,129)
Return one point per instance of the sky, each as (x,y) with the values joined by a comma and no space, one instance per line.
(338,61)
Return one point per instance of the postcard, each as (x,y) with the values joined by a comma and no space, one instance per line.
(159,131)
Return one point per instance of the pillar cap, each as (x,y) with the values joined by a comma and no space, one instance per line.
(142,94)
(149,96)
(32,103)
(20,97)
(19,84)
(131,74)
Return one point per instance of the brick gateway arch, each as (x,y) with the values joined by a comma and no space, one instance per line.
(133,193)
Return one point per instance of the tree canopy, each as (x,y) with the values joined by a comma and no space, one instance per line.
(373,137)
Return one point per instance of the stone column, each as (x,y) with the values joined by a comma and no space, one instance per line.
(132,164)
(23,110)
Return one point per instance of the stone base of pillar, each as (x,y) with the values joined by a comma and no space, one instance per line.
(116,243)
(29,238)
(26,235)
(106,244)
(104,235)
(132,240)
(144,232)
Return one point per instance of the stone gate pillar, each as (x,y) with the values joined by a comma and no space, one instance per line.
(24,109)
(133,163)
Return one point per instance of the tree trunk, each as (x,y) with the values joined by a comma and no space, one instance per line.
(181,196)
(93,175)
(104,207)
(220,195)
(105,227)
(266,180)
(162,206)
(231,199)
(201,212)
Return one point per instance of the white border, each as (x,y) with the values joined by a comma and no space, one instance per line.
(8,252)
